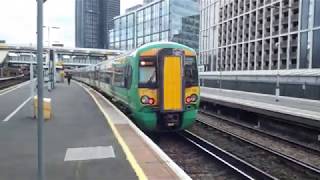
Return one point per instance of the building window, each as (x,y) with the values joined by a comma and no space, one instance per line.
(140,29)
(123,34)
(155,37)
(164,36)
(305,14)
(123,45)
(164,8)
(140,42)
(117,45)
(164,23)
(147,12)
(130,44)
(304,51)
(316,47)
(155,26)
(147,27)
(147,39)
(317,13)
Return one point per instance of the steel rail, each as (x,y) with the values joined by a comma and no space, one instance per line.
(241,167)
(268,134)
(283,156)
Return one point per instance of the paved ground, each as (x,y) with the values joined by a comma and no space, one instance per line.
(299,103)
(296,107)
(77,122)
(11,100)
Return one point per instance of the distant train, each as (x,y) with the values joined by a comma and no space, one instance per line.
(157,83)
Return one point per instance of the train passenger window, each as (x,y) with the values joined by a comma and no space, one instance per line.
(118,77)
(105,77)
(128,78)
(108,77)
(190,71)
(147,73)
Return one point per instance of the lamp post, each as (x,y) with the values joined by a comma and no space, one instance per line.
(277,92)
(51,67)
(40,172)
(277,89)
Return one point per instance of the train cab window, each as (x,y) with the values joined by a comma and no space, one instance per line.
(147,73)
(190,71)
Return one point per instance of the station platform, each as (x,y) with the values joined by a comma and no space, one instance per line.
(299,110)
(86,138)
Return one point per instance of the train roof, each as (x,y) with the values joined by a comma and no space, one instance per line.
(145,47)
(161,44)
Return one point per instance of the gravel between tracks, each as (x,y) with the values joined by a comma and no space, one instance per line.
(193,161)
(279,146)
(259,158)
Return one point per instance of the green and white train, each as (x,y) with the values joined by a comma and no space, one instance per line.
(157,83)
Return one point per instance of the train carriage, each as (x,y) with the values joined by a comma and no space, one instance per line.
(158,83)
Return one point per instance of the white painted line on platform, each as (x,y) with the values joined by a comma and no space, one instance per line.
(16,110)
(10,89)
(88,153)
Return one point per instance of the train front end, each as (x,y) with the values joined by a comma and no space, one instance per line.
(168,90)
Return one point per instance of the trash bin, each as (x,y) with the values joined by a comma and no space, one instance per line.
(47,109)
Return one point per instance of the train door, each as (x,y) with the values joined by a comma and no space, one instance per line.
(172,83)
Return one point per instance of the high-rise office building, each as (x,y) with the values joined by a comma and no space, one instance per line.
(161,20)
(93,21)
(259,34)
(255,45)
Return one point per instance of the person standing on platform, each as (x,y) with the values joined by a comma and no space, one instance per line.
(69,77)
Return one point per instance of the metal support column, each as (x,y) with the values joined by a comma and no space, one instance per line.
(40,173)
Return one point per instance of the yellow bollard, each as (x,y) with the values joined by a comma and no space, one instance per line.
(47,109)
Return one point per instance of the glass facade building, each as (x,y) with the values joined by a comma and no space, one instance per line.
(93,19)
(162,20)
(239,35)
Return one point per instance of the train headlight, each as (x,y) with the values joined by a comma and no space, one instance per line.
(143,63)
(188,99)
(151,101)
(194,97)
(144,100)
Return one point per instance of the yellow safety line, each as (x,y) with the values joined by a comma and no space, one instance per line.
(133,162)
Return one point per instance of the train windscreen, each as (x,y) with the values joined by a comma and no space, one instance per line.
(147,73)
(190,71)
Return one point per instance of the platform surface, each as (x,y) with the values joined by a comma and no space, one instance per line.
(76,123)
(153,162)
(299,107)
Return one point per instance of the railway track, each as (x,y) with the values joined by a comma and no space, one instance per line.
(7,82)
(243,169)
(306,146)
(269,161)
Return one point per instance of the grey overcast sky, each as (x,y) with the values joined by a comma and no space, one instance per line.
(18,20)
